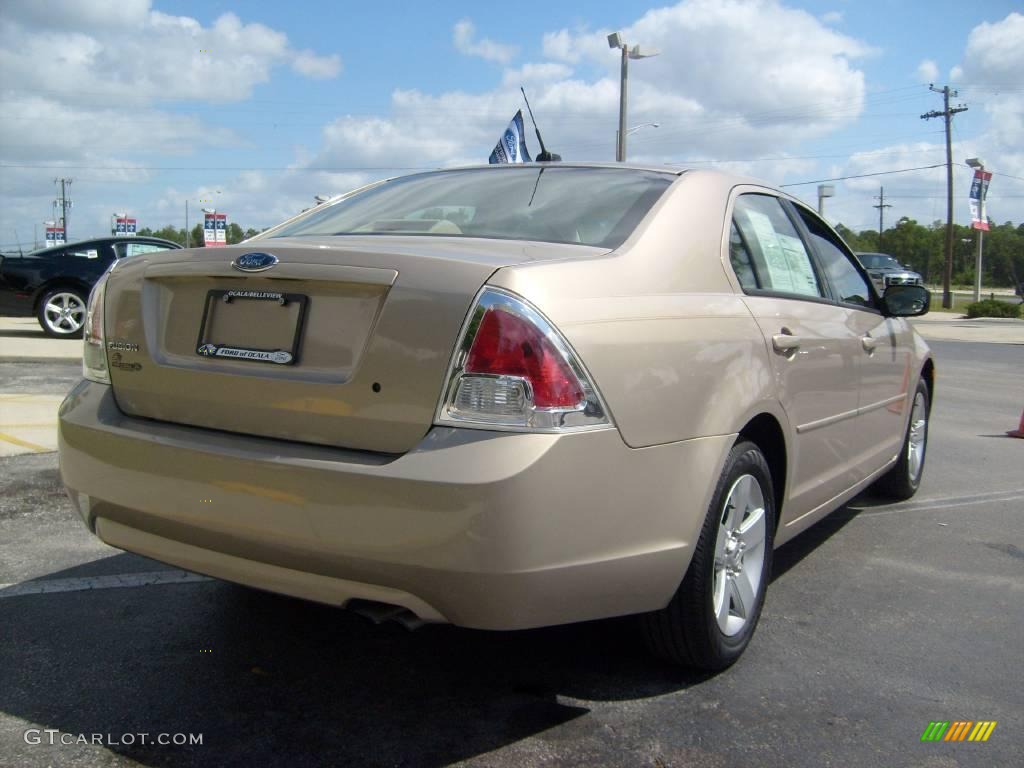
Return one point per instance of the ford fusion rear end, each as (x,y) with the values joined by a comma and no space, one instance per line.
(348,409)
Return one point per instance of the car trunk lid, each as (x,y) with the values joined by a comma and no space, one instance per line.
(344,341)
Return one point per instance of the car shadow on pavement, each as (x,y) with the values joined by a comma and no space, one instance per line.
(272,680)
(796,549)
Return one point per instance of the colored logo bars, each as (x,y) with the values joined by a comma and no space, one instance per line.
(958,730)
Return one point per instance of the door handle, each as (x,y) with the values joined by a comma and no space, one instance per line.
(868,343)
(786,343)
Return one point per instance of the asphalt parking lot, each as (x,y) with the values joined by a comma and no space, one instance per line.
(878,621)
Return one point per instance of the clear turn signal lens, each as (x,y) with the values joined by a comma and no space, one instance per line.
(94,354)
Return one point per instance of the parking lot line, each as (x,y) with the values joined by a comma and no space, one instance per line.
(28,423)
(23,444)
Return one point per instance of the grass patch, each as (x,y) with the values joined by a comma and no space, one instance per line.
(991,308)
(960,303)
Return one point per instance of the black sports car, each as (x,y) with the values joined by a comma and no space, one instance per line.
(54,284)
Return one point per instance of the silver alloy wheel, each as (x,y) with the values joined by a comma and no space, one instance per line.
(64,313)
(918,437)
(739,555)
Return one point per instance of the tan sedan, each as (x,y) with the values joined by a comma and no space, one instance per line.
(502,397)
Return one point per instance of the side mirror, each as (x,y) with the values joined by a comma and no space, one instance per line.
(905,301)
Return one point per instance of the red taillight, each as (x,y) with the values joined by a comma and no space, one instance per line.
(512,370)
(508,345)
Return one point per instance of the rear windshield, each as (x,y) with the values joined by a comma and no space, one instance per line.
(589,206)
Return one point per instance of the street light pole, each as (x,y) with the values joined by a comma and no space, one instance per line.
(636,52)
(634,129)
(824,190)
(620,149)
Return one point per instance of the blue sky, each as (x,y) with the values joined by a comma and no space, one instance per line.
(258,106)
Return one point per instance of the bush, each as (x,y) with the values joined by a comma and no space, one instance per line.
(993,308)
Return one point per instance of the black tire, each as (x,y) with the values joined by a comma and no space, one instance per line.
(59,326)
(687,631)
(902,481)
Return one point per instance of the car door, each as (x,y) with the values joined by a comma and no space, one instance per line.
(85,262)
(886,349)
(813,348)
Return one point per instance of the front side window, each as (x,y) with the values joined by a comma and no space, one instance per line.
(848,284)
(769,254)
(587,206)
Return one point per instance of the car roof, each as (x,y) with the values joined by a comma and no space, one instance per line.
(102,240)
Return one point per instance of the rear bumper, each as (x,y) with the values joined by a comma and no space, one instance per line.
(480,529)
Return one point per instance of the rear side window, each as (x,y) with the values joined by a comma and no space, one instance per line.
(766,251)
(135,249)
(848,284)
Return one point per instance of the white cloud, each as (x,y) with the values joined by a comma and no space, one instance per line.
(83,84)
(318,67)
(990,79)
(536,73)
(927,71)
(734,80)
(750,97)
(465,40)
(832,17)
(559,46)
(144,56)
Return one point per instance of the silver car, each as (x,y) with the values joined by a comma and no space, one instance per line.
(503,397)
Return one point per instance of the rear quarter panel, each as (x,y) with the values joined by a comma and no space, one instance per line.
(672,348)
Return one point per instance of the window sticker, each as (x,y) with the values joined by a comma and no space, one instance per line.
(134,249)
(789,267)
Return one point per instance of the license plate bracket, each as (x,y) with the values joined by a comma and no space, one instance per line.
(250,316)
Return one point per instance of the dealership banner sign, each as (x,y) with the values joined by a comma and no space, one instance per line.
(979,189)
(215,230)
(125,227)
(54,236)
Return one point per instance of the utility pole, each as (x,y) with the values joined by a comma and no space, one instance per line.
(882,205)
(947,113)
(64,204)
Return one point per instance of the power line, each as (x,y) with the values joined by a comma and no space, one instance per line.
(863,175)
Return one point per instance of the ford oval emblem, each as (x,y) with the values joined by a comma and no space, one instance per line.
(254,262)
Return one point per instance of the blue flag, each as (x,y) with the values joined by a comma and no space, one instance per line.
(511,148)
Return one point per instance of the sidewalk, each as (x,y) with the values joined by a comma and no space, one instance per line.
(952,326)
(21,337)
